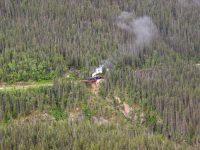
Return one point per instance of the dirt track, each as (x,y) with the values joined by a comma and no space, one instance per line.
(21,87)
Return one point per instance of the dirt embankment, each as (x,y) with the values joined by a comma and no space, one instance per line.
(94,87)
(130,112)
(34,118)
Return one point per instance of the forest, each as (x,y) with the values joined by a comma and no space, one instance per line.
(149,97)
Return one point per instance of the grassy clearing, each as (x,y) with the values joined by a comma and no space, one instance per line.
(27,85)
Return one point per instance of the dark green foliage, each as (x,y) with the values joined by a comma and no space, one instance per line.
(102,90)
(57,113)
(86,110)
(171,91)
(151,118)
(43,40)
(62,135)
(63,95)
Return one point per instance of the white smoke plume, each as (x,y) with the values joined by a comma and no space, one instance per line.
(98,70)
(197,2)
(142,28)
(144,31)
(123,21)
(105,66)
(187,3)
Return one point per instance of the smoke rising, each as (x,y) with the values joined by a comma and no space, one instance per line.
(187,3)
(145,31)
(105,66)
(123,21)
(142,28)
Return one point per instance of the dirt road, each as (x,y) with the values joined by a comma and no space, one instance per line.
(21,87)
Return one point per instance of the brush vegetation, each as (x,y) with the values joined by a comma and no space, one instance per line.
(64,41)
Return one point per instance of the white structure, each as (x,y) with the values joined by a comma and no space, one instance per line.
(98,70)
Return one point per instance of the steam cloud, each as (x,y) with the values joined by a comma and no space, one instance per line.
(143,29)
(189,2)
(106,65)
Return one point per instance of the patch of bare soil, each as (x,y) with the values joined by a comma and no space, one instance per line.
(2,84)
(100,120)
(129,112)
(34,118)
(118,100)
(126,110)
(198,66)
(94,87)
(76,115)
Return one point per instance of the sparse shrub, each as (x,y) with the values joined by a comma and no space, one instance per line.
(57,113)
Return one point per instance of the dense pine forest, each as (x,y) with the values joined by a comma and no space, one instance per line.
(149,97)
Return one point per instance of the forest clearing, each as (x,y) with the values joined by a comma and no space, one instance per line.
(24,86)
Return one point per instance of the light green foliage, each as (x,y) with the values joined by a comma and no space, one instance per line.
(86,110)
(57,113)
(102,90)
(151,118)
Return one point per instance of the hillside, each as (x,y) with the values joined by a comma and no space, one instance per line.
(149,97)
